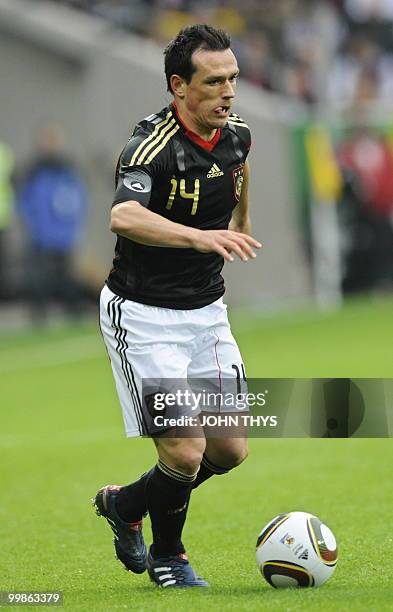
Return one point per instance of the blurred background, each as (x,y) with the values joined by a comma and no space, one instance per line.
(316,89)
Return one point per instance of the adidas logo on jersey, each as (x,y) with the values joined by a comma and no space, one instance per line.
(214,172)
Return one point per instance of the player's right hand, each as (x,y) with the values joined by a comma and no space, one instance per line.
(225,242)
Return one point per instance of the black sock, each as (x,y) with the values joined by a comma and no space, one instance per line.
(167,492)
(131,500)
(207,470)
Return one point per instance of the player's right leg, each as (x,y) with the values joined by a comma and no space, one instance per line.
(126,523)
(138,348)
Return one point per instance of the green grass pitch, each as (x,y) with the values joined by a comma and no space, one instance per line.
(61,438)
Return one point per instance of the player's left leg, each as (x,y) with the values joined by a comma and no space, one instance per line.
(221,455)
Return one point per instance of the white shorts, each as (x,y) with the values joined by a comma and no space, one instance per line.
(149,342)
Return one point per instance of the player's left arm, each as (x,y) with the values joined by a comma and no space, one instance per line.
(240,221)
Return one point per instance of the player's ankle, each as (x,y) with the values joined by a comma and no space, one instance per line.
(127,517)
(167,549)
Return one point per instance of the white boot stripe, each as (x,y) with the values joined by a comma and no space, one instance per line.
(169,582)
(162,569)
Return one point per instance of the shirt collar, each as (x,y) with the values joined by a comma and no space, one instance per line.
(205,144)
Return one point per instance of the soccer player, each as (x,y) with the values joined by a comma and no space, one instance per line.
(181,179)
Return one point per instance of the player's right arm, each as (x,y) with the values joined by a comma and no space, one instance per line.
(135,222)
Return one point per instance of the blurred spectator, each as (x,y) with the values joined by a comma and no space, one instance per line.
(6,203)
(52,202)
(297,81)
(361,74)
(256,59)
(365,10)
(312,33)
(366,160)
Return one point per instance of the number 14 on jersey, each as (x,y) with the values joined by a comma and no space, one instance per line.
(194,196)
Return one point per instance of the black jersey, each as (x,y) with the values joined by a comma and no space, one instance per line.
(176,174)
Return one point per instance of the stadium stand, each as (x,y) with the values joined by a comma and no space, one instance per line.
(331,51)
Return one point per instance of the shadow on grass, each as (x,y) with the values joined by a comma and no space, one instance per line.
(146,590)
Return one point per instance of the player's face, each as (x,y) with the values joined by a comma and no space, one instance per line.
(208,97)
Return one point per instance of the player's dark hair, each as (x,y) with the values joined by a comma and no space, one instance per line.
(179,51)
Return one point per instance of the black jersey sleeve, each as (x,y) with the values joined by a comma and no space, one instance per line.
(133,184)
(140,165)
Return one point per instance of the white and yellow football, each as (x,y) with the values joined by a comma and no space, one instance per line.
(296,549)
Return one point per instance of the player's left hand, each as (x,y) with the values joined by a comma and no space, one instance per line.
(224,242)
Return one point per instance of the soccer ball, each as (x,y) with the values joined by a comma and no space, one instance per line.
(296,550)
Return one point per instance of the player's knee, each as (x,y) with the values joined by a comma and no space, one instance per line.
(232,456)
(188,457)
(237,456)
(185,455)
(242,455)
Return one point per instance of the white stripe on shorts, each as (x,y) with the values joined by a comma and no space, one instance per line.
(114,312)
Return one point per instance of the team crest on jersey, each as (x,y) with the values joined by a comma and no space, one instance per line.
(238,181)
